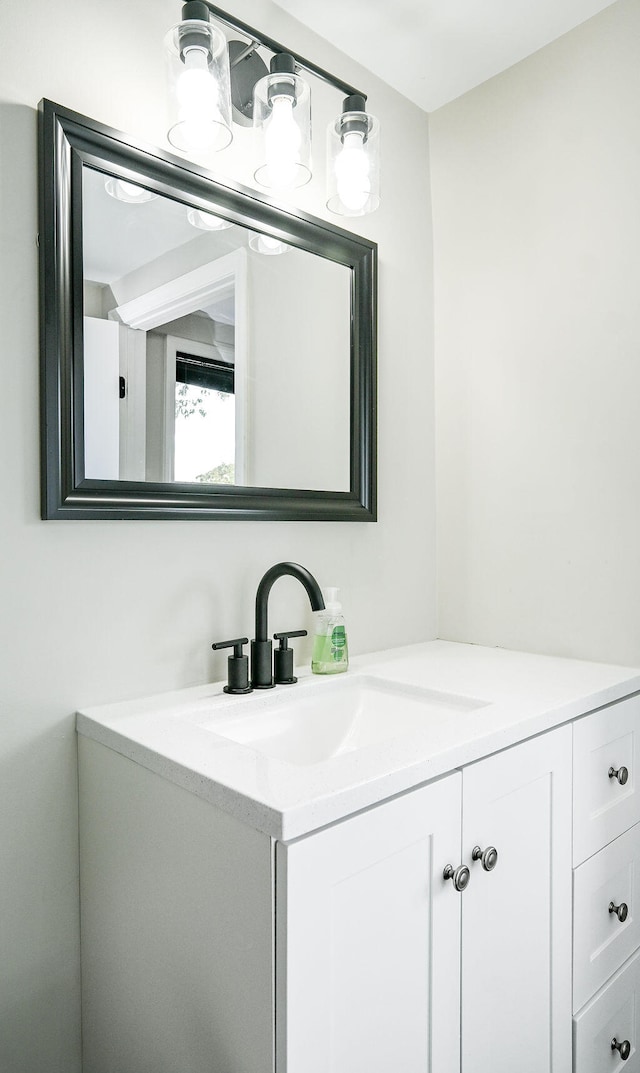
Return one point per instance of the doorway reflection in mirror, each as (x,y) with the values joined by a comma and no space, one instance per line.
(209,359)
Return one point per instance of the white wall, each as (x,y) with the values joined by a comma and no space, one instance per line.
(94,611)
(310,446)
(536,194)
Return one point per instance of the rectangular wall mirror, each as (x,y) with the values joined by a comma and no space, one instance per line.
(204,353)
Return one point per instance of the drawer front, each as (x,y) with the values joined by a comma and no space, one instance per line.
(614,1014)
(604,939)
(602,807)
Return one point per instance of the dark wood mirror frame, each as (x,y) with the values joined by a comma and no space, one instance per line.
(69,141)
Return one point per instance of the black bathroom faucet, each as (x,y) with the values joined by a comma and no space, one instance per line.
(261,646)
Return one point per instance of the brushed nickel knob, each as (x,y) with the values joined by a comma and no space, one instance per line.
(621,911)
(488,856)
(624,1047)
(621,774)
(460,876)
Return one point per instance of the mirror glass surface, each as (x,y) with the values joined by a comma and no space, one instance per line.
(212,353)
(205,352)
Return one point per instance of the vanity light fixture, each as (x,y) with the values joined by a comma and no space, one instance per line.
(353,173)
(199,82)
(129,192)
(213,82)
(282,126)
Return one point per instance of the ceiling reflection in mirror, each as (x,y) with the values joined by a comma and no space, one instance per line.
(213,353)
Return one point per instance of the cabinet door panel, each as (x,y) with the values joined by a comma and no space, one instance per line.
(516,919)
(365,925)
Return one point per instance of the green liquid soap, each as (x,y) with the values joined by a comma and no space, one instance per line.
(330,650)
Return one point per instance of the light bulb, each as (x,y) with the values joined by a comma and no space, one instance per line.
(197,94)
(282,141)
(352,167)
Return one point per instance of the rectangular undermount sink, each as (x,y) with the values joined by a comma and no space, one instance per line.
(317,721)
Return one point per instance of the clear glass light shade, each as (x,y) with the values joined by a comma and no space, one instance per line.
(353,164)
(129,192)
(282,130)
(207,221)
(199,88)
(267,245)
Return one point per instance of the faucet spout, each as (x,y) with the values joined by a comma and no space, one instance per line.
(261,656)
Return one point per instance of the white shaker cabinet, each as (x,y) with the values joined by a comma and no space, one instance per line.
(243,914)
(382,965)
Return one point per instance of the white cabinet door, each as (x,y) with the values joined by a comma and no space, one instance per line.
(367,941)
(516,918)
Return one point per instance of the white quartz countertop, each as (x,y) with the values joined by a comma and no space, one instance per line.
(512,696)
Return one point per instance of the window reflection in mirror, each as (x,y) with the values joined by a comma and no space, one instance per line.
(209,356)
(204,391)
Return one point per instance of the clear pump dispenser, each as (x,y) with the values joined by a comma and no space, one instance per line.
(330,648)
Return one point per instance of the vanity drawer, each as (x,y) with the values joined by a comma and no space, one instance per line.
(604,806)
(613,1014)
(603,940)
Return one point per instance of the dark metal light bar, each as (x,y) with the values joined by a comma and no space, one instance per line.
(274,46)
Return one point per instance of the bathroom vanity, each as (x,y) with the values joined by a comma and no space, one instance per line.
(427,864)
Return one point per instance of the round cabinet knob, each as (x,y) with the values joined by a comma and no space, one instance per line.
(624,1047)
(621,774)
(460,876)
(488,856)
(621,911)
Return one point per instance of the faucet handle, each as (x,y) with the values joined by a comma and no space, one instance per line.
(237,664)
(283,657)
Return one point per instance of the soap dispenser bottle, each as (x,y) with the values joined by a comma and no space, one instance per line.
(330,649)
